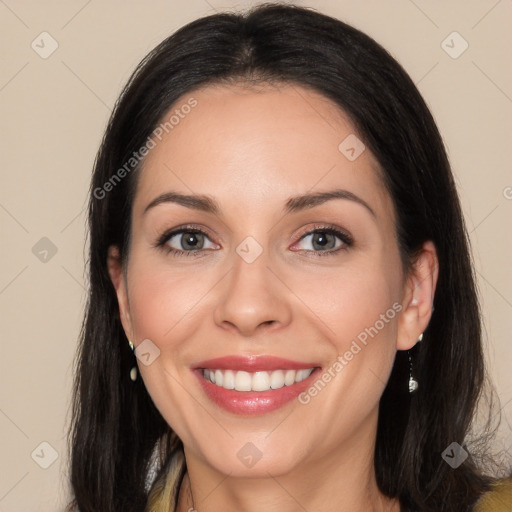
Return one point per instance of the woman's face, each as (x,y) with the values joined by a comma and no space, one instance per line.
(258,289)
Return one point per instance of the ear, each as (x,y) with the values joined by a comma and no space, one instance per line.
(117,277)
(418,297)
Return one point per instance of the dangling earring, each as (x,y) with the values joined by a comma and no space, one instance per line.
(413,383)
(133,371)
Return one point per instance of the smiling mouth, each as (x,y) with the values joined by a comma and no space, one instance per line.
(255,381)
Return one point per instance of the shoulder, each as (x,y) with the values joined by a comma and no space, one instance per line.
(498,499)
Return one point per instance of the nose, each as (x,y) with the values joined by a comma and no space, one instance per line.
(253,298)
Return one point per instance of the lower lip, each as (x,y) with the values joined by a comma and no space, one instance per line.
(252,403)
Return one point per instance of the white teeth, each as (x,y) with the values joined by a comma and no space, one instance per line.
(229,380)
(260,381)
(277,379)
(301,375)
(243,381)
(257,381)
(289,377)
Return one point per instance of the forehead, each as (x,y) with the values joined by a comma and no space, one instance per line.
(249,147)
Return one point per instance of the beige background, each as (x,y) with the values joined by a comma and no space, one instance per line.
(53,112)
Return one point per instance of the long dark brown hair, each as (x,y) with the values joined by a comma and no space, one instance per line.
(115,424)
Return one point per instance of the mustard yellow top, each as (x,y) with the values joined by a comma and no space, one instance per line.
(498,499)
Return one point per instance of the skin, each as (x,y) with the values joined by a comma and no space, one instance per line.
(252,148)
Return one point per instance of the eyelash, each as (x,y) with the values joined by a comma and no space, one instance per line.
(342,235)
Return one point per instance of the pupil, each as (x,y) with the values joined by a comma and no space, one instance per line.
(322,239)
(190,240)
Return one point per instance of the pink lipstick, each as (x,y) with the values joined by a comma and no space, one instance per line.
(253,385)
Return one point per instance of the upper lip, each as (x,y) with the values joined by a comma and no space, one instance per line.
(253,363)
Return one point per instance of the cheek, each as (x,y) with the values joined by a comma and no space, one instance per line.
(162,308)
(361,311)
(357,309)
(163,300)
(348,301)
(366,311)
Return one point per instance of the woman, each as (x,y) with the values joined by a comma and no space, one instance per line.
(273,222)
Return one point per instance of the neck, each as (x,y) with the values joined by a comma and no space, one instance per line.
(342,480)
(255,496)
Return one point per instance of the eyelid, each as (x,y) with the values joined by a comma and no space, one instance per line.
(342,234)
(319,227)
(186,228)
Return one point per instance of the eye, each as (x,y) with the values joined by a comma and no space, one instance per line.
(191,241)
(322,240)
(185,241)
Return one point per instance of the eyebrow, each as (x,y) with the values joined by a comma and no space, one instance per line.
(208,204)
